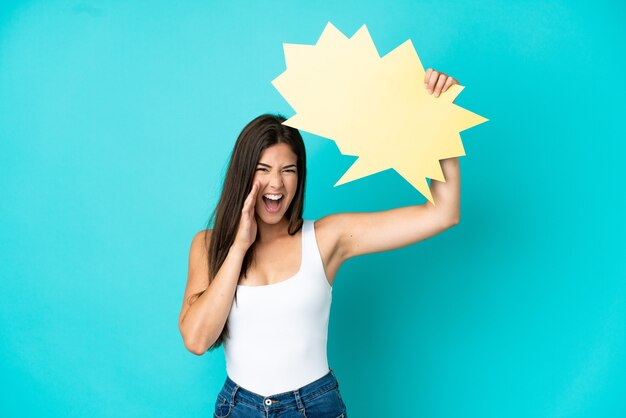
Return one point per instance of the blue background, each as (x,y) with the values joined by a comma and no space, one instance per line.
(116,122)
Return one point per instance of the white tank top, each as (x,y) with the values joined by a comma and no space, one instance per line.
(278,332)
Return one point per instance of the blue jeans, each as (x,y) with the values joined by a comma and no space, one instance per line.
(318,399)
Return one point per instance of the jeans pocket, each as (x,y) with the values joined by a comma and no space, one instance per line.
(327,404)
(222,407)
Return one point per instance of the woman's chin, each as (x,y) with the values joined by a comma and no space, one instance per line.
(269,218)
(272,221)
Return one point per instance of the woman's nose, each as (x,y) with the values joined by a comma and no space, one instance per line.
(276,181)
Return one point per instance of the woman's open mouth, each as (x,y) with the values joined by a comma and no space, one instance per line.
(273,203)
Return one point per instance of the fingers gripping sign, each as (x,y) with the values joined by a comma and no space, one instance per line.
(437,82)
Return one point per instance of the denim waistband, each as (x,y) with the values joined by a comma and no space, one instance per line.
(281,400)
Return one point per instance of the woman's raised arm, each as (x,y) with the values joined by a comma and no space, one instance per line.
(358,233)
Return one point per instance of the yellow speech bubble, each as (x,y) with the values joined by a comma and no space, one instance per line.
(372,107)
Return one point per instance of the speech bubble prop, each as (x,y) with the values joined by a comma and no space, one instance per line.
(372,107)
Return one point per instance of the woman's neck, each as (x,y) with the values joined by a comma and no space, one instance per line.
(269,232)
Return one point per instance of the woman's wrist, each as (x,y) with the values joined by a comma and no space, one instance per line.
(237,250)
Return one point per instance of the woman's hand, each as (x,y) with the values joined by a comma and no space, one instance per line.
(246,232)
(437,82)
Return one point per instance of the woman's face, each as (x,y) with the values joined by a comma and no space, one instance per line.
(277,174)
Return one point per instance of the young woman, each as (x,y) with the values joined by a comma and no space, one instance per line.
(261,280)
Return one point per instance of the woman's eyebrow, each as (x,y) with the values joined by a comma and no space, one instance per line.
(287,166)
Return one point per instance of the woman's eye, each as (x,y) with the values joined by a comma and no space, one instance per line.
(265,169)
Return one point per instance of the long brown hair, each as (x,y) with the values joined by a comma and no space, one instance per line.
(262,132)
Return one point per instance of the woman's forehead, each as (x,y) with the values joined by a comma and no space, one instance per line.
(280,153)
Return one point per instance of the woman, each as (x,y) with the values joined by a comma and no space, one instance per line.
(261,280)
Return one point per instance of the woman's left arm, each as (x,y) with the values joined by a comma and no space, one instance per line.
(357,233)
(446,195)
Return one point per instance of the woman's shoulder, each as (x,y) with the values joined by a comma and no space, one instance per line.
(326,224)
(328,231)
(201,239)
